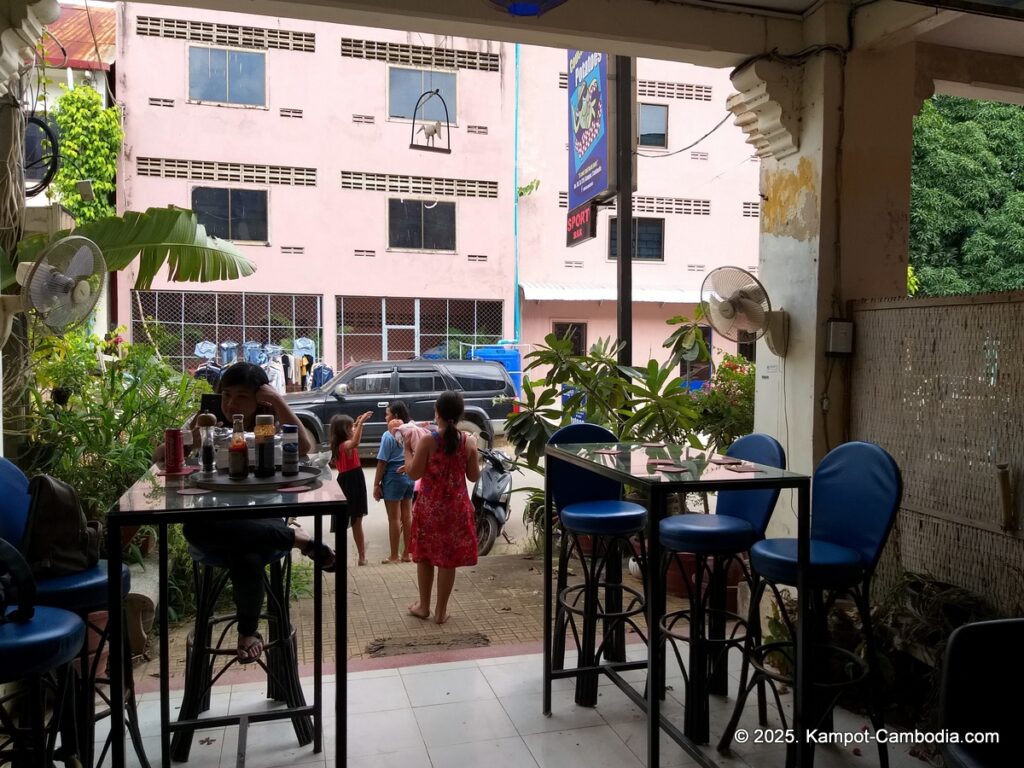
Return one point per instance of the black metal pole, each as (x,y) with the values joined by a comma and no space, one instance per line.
(624,160)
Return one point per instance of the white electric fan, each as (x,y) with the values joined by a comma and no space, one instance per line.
(60,287)
(734,301)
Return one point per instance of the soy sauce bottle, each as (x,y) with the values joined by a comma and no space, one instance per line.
(264,435)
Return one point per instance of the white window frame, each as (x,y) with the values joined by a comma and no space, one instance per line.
(235,105)
(453,114)
(244,187)
(387,223)
(668,115)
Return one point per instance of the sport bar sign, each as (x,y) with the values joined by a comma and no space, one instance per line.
(591,136)
(581,224)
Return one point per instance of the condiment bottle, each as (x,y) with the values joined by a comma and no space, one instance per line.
(238,451)
(207,452)
(264,435)
(289,449)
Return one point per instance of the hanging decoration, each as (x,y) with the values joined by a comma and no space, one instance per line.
(430,130)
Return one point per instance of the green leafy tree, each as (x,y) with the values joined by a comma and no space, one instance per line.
(967,197)
(90,138)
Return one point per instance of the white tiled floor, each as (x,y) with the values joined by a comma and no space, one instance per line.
(482,713)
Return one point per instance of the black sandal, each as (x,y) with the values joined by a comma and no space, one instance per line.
(321,554)
(247,659)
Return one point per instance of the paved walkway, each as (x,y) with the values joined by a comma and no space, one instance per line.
(498,602)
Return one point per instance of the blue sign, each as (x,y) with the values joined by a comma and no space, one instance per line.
(591,173)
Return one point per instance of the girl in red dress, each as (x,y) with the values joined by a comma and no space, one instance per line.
(443,522)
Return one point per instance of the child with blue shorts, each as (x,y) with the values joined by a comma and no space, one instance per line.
(393,487)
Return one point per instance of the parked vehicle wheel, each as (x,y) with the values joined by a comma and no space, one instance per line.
(483,439)
(486,533)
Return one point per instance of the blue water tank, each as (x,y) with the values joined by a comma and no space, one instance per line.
(507,356)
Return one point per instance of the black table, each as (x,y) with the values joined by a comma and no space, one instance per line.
(630,464)
(155,500)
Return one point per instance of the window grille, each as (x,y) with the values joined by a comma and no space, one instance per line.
(418,185)
(364,253)
(699,155)
(480,130)
(155,102)
(363,119)
(751,210)
(419,55)
(476,257)
(226,34)
(213,170)
(663,90)
(294,113)
(292,250)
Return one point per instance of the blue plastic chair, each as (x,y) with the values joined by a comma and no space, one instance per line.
(589,506)
(855,494)
(81,593)
(36,643)
(717,542)
(973,668)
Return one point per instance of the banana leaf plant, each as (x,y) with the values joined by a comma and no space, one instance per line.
(159,236)
(637,403)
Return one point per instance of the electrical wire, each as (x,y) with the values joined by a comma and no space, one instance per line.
(54,158)
(688,146)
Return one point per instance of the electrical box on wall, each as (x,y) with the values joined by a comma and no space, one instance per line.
(838,338)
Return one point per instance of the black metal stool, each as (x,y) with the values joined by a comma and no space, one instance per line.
(202,652)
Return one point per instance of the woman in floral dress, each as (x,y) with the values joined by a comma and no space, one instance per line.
(443,522)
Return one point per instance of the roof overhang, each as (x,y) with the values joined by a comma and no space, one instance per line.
(560,292)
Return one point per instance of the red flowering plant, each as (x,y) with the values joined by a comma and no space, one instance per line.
(725,405)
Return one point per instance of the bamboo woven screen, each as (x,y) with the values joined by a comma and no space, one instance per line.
(939,383)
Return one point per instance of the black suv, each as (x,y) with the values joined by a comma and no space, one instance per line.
(485,385)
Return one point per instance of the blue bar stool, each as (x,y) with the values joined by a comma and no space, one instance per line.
(81,593)
(590,507)
(717,541)
(35,642)
(855,494)
(205,644)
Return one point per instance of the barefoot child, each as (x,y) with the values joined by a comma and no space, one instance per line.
(345,437)
(394,488)
(443,526)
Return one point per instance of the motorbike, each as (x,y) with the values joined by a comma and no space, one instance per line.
(490,497)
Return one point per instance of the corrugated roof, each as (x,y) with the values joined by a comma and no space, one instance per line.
(566,292)
(72,29)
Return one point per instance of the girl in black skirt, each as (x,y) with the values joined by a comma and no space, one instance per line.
(345,437)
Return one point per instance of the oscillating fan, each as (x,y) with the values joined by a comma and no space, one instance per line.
(60,287)
(734,301)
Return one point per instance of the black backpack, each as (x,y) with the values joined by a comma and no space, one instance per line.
(58,538)
(16,585)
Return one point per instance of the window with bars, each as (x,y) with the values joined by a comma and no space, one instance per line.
(226,34)
(419,55)
(648,239)
(214,170)
(185,318)
(388,328)
(225,76)
(422,225)
(232,214)
(576,332)
(653,125)
(418,185)
(405,86)
(751,210)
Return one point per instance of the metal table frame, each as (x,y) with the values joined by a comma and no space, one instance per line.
(658,489)
(327,500)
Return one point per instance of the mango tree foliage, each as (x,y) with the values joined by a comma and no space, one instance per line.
(967,197)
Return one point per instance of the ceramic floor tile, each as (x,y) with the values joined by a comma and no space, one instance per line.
(634,736)
(412,758)
(521,677)
(463,722)
(615,707)
(524,709)
(447,686)
(374,733)
(373,695)
(425,669)
(269,745)
(598,747)
(369,674)
(500,753)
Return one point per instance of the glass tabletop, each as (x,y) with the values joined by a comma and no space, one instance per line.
(657,464)
(157,493)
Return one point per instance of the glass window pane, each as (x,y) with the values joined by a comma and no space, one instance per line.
(207,74)
(403,91)
(405,224)
(648,240)
(246,78)
(433,109)
(249,214)
(439,226)
(211,208)
(418,382)
(371,383)
(653,125)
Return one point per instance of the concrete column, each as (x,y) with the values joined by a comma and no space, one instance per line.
(835,190)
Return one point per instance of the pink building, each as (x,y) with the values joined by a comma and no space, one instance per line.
(292,139)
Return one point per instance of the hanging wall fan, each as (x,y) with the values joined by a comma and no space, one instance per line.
(60,288)
(734,302)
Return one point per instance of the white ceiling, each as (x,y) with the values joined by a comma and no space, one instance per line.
(980,33)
